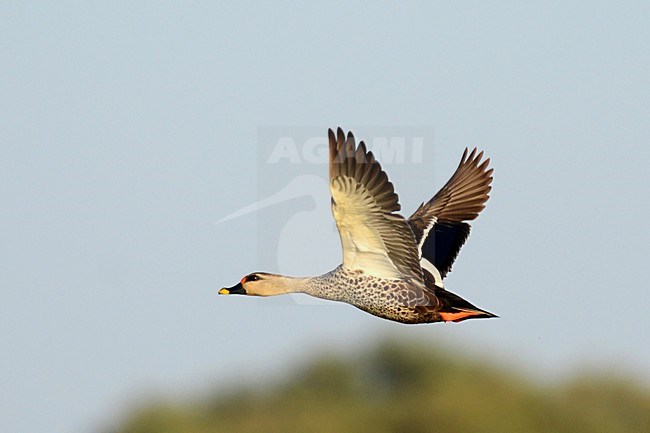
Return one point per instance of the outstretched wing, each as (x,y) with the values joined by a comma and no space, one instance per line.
(374,237)
(440,226)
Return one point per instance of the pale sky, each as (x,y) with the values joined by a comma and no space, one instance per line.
(127,131)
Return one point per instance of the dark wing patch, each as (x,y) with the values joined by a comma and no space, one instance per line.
(443,244)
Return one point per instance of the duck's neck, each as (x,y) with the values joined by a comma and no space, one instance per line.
(326,286)
(315,286)
(280,285)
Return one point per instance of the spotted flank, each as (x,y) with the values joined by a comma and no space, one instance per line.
(392,267)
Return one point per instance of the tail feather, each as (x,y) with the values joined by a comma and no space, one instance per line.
(456,309)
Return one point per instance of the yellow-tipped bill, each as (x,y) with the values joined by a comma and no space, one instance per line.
(237,289)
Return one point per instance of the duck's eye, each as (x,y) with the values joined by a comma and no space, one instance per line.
(252,278)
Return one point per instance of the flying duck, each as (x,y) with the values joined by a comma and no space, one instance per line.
(392,267)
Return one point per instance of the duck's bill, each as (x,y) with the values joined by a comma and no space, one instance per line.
(234,290)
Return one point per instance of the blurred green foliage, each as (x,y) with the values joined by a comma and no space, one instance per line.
(397,388)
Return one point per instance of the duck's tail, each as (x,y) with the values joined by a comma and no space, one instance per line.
(456,309)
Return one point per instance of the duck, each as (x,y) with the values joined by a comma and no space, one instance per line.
(393,268)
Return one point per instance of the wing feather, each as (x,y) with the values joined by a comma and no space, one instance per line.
(444,218)
(374,237)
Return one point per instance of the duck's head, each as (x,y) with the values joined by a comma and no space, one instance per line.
(257,284)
